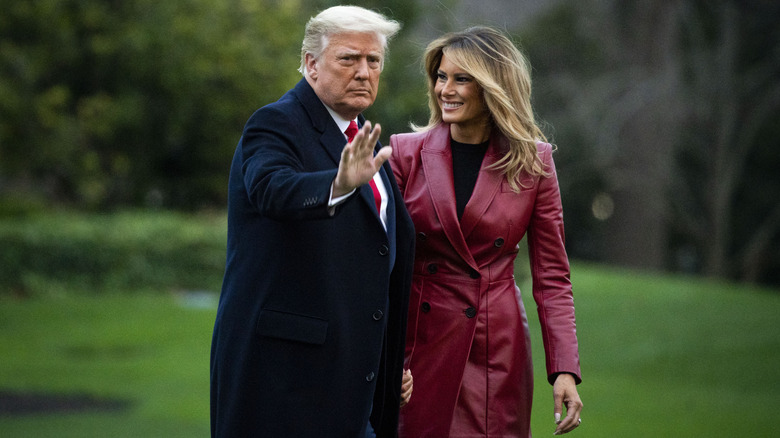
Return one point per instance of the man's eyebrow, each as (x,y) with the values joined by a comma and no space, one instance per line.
(351,52)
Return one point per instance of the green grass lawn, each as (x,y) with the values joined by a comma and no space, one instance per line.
(669,357)
(149,349)
(661,357)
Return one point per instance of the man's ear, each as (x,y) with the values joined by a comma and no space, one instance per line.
(311,66)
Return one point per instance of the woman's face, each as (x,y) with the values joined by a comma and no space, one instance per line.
(460,97)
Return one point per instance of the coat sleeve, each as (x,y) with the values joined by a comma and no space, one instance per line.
(273,164)
(552,289)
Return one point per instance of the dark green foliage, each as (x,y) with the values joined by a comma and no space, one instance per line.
(141,102)
(101,253)
(138,102)
(668,110)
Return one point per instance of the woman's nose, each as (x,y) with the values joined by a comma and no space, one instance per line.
(447,89)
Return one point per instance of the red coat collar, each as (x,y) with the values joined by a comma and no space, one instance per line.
(436,158)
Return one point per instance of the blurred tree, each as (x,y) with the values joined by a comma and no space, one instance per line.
(141,102)
(116,103)
(729,159)
(666,112)
(663,110)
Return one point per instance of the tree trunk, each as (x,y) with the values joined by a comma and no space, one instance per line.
(640,181)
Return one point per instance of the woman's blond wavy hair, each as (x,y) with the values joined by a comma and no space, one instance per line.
(503,74)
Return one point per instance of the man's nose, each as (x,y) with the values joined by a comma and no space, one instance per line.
(361,69)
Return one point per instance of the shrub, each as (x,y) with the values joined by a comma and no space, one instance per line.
(121,251)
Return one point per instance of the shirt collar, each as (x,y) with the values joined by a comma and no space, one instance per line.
(340,122)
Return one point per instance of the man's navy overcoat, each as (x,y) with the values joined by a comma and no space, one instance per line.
(309,334)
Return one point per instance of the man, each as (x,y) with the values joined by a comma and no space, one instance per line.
(309,334)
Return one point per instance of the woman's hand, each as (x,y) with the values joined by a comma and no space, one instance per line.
(565,393)
(407,384)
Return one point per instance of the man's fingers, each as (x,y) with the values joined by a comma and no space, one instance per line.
(362,146)
(406,387)
(382,156)
(375,133)
(362,134)
(358,163)
(366,138)
(407,382)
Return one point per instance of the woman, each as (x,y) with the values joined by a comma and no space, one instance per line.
(475,180)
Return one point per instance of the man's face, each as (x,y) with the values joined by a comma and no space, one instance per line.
(346,76)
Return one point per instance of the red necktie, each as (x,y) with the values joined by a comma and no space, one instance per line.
(351,131)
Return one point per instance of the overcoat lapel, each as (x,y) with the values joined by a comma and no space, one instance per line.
(436,158)
(488,184)
(331,139)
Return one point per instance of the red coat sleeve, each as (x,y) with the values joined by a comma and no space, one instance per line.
(552,289)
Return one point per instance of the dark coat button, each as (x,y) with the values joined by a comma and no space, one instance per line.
(471,312)
(499,242)
(426,307)
(474,274)
(378,315)
(384,250)
(432,268)
(370,376)
(421,236)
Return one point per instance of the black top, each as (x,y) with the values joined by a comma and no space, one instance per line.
(466,162)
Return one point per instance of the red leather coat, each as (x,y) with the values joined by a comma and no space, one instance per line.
(467,338)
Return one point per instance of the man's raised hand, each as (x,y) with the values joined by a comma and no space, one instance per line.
(358,163)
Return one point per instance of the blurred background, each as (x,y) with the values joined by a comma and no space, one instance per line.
(118,121)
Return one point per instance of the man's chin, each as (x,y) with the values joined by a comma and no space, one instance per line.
(355,106)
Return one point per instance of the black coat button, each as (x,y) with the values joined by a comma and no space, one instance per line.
(378,315)
(384,250)
(498,243)
(421,236)
(370,376)
(471,312)
(474,274)
(426,307)
(432,268)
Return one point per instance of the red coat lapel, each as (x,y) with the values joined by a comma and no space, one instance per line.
(488,184)
(437,163)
